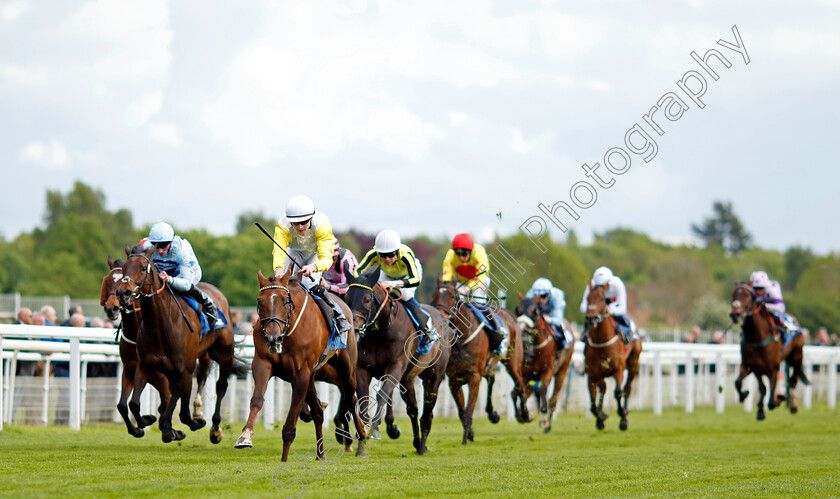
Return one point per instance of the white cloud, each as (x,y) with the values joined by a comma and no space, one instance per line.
(566,37)
(145,108)
(807,43)
(165,133)
(51,154)
(11,11)
(517,143)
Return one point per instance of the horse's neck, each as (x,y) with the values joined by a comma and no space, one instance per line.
(605,330)
(130,325)
(159,313)
(757,325)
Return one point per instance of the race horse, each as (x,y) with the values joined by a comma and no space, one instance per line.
(543,361)
(469,355)
(290,342)
(169,341)
(387,350)
(762,351)
(127,339)
(605,355)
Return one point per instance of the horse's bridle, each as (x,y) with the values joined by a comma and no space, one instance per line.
(737,303)
(283,324)
(136,292)
(594,320)
(447,311)
(370,317)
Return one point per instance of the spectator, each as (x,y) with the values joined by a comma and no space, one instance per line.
(235,318)
(24,316)
(834,340)
(49,315)
(244,328)
(108,324)
(38,319)
(253,319)
(692,336)
(77,320)
(821,338)
(97,322)
(718,338)
(75,309)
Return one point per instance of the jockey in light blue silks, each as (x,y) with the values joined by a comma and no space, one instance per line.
(770,293)
(552,302)
(616,295)
(176,261)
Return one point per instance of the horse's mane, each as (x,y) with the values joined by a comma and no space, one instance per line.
(137,250)
(119,262)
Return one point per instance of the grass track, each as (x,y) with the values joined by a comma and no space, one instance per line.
(703,454)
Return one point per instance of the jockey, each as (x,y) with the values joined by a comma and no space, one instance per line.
(306,235)
(552,302)
(178,266)
(335,277)
(399,269)
(616,296)
(770,293)
(469,262)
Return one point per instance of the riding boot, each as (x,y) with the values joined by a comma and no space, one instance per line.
(206,304)
(427,329)
(340,320)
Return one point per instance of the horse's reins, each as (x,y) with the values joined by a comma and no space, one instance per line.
(139,288)
(594,321)
(291,306)
(749,313)
(379,310)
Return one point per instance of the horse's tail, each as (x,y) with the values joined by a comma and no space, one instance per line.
(241,367)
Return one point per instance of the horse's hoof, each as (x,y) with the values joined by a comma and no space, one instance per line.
(794,410)
(215,436)
(393,432)
(622,425)
(305,417)
(146,421)
(374,434)
(760,416)
(471,435)
(743,396)
(547,429)
(339,436)
(137,433)
(167,436)
(494,417)
(599,424)
(180,435)
(243,443)
(197,424)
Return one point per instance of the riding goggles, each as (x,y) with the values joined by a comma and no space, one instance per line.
(463,252)
(389,255)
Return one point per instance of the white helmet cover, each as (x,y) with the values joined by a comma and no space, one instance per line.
(602,276)
(161,232)
(759,279)
(542,286)
(300,208)
(387,241)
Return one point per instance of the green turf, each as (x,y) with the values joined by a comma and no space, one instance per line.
(704,454)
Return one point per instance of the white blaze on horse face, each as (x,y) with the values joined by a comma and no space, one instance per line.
(736,304)
(593,308)
(117,277)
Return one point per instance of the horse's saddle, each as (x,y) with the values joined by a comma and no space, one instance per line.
(205,326)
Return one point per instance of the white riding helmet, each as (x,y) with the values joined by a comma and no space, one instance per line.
(759,279)
(161,232)
(387,241)
(300,208)
(542,286)
(602,276)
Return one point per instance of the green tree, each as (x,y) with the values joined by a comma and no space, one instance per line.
(245,222)
(797,259)
(723,229)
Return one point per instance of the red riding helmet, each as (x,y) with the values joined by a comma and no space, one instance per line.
(463,241)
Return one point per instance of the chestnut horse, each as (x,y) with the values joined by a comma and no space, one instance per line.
(285,307)
(387,351)
(606,356)
(169,341)
(762,351)
(542,361)
(469,356)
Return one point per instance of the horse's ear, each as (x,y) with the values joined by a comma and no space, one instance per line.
(111,262)
(261,279)
(439,281)
(103,296)
(127,250)
(521,296)
(287,275)
(348,274)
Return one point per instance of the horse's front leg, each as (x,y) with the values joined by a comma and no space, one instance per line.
(300,390)
(772,402)
(542,400)
(621,398)
(413,413)
(474,382)
(492,415)
(201,373)
(762,390)
(261,372)
(184,390)
(744,372)
(458,395)
(363,406)
(122,406)
(592,384)
(317,419)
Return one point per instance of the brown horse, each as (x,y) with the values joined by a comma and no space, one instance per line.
(387,351)
(762,351)
(469,356)
(543,361)
(606,356)
(128,331)
(169,341)
(286,308)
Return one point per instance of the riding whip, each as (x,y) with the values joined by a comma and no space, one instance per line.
(278,245)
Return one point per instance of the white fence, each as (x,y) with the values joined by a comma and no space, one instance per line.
(671,374)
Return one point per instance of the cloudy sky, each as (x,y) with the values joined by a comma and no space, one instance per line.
(427,116)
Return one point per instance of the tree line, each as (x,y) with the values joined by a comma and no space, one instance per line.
(667,285)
